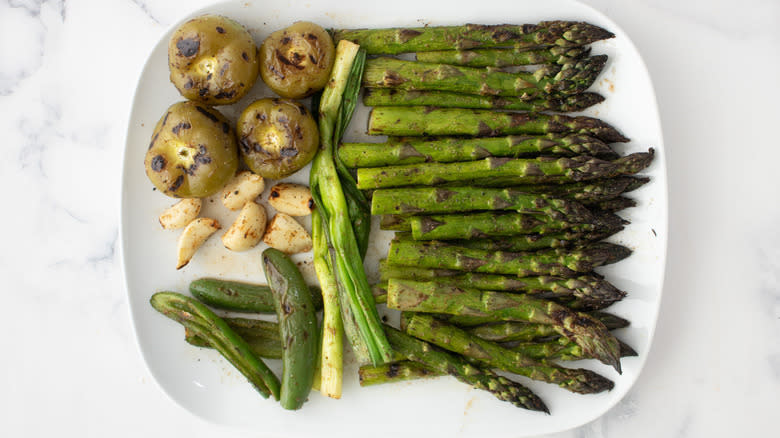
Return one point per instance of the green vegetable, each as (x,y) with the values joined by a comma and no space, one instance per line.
(453,149)
(505,57)
(241,297)
(421,39)
(431,200)
(433,297)
(525,264)
(297,327)
(550,80)
(531,242)
(203,323)
(451,338)
(588,192)
(261,336)
(329,195)
(448,99)
(503,171)
(421,121)
(590,287)
(478,377)
(490,224)
(603,224)
(610,321)
(331,347)
(561,349)
(614,204)
(394,372)
(404,370)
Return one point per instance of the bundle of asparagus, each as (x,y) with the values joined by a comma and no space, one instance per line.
(500,209)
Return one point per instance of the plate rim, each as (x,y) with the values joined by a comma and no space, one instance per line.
(660,162)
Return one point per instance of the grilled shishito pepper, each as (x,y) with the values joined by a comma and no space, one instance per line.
(193,151)
(241,297)
(297,327)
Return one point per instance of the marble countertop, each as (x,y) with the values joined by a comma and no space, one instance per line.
(71,365)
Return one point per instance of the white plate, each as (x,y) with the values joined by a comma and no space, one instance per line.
(206,385)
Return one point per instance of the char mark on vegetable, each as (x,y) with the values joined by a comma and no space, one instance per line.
(225,94)
(288,152)
(484,130)
(158,163)
(407,34)
(180,126)
(188,46)
(207,113)
(176,184)
(392,79)
(202,157)
(295,62)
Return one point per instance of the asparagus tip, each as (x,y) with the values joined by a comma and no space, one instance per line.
(596,383)
(605,253)
(633,183)
(585,33)
(635,162)
(626,350)
(579,102)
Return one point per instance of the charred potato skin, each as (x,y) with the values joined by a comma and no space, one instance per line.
(193,151)
(296,61)
(213,60)
(277,137)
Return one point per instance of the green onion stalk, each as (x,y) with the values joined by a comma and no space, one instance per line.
(338,238)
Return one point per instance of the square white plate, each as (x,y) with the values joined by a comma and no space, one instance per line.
(205,384)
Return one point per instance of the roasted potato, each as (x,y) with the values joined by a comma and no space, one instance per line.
(291,199)
(277,137)
(287,235)
(296,61)
(193,151)
(247,229)
(213,60)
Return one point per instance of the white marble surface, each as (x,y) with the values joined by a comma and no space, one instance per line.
(70,364)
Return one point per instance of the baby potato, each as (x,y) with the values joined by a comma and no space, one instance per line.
(245,187)
(248,228)
(296,61)
(181,213)
(291,199)
(193,151)
(213,60)
(277,137)
(193,236)
(287,235)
